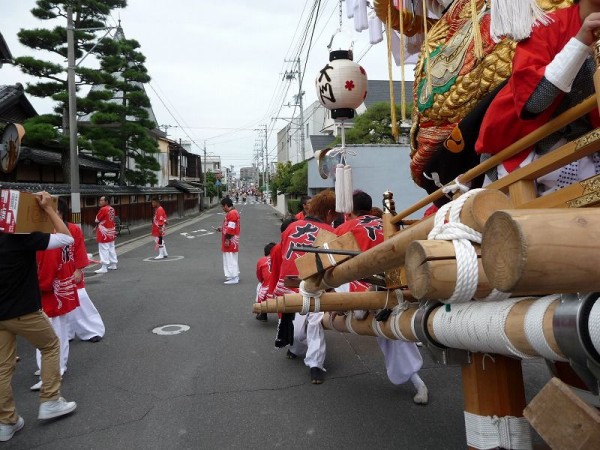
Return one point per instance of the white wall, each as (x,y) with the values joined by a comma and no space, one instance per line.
(376,169)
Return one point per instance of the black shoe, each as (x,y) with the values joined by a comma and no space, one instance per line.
(290,355)
(262,317)
(95,339)
(317,376)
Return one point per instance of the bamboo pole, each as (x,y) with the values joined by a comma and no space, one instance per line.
(365,327)
(391,253)
(514,328)
(597,59)
(532,138)
(543,251)
(393,276)
(331,301)
(431,270)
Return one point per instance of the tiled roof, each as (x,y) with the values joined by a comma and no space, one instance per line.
(379,91)
(5,55)
(184,186)
(88,189)
(14,106)
(321,141)
(53,158)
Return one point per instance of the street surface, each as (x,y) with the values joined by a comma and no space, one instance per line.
(222,383)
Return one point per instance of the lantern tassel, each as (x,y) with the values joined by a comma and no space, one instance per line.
(343,179)
(339,188)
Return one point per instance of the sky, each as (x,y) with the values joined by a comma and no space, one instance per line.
(217,67)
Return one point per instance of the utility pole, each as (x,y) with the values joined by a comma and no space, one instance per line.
(267,169)
(300,95)
(204,180)
(299,103)
(72,93)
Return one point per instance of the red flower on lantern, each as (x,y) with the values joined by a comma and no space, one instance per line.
(349,85)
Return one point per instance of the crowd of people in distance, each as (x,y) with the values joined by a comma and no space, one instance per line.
(304,335)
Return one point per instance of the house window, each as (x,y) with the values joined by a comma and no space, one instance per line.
(133,199)
(91,201)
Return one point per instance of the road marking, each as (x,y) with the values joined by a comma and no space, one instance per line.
(170,330)
(167,259)
(187,235)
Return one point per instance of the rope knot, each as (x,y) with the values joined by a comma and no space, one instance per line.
(306,296)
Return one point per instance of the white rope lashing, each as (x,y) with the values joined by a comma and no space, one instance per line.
(594,325)
(376,326)
(534,328)
(348,319)
(306,296)
(461,237)
(395,316)
(478,327)
(330,257)
(484,432)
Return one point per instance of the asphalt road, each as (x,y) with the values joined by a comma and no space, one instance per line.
(221,383)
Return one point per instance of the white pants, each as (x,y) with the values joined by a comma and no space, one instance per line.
(85,322)
(402,359)
(309,339)
(230,264)
(61,328)
(107,252)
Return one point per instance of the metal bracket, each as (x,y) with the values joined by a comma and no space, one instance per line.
(440,353)
(572,334)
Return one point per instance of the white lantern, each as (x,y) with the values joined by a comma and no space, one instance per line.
(341,85)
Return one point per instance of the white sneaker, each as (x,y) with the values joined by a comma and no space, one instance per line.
(56,408)
(235,280)
(37,386)
(159,257)
(101,270)
(7,431)
(112,267)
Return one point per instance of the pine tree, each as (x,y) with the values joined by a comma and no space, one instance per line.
(120,127)
(87,14)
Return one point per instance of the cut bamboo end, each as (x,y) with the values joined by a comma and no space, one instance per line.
(543,251)
(504,251)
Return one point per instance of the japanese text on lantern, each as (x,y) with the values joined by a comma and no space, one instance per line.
(325,90)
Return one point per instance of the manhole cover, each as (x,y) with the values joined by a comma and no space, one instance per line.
(168,330)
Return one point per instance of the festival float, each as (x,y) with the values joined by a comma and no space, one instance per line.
(497,274)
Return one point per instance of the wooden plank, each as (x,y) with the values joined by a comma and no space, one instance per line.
(562,419)
(571,151)
(522,191)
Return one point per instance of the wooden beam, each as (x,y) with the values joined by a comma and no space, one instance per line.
(562,419)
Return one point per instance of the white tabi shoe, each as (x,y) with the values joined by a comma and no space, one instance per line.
(235,280)
(422,396)
(112,267)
